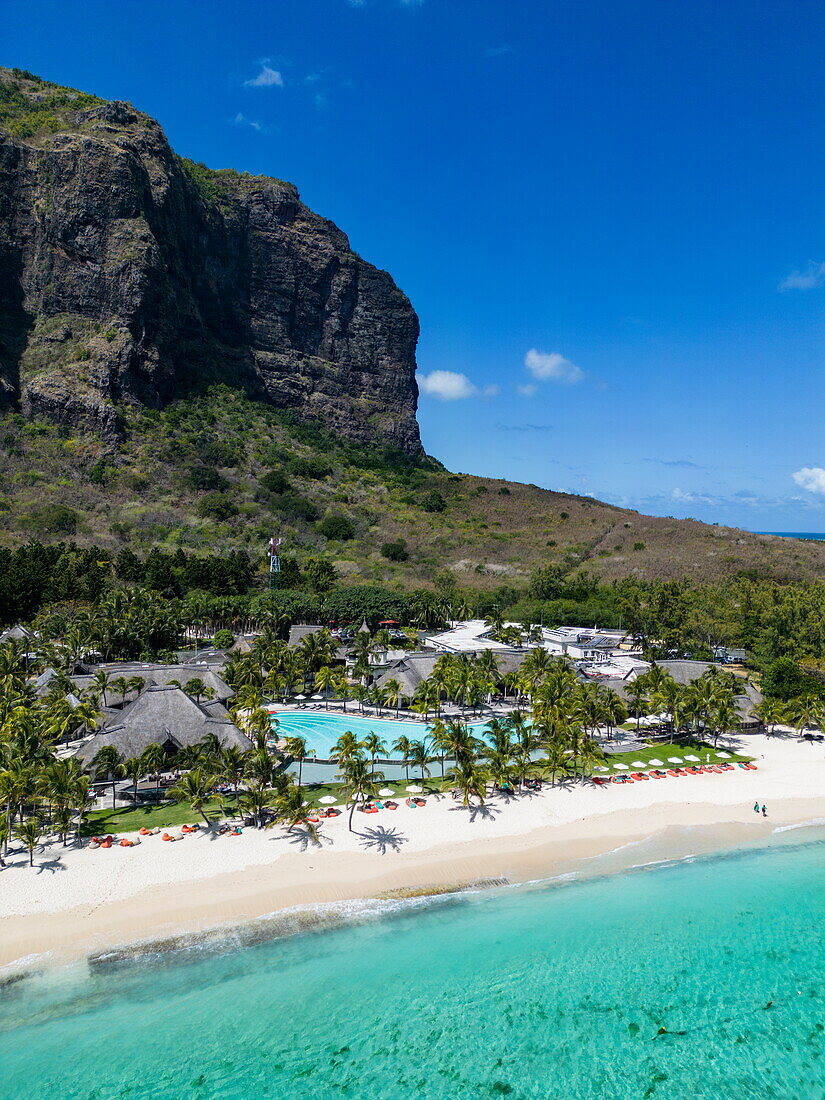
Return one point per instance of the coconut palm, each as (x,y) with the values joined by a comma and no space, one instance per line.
(30,831)
(470,779)
(554,760)
(360,782)
(771,712)
(108,764)
(291,808)
(373,746)
(134,769)
(296,747)
(420,758)
(195,788)
(233,766)
(345,747)
(403,746)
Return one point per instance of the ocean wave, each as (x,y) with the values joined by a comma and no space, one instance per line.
(799,825)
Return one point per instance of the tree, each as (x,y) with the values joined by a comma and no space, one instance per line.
(198,689)
(195,788)
(373,745)
(420,758)
(30,831)
(296,747)
(771,712)
(404,746)
(134,770)
(470,779)
(360,782)
(345,748)
(108,764)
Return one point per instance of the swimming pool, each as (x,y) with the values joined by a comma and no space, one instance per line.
(321,730)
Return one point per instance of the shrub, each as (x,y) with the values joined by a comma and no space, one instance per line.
(396,550)
(312,468)
(217,506)
(275,481)
(206,477)
(53,519)
(504,491)
(564,515)
(217,452)
(433,502)
(638,546)
(294,506)
(224,639)
(336,526)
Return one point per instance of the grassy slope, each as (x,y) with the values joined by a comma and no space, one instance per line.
(140,495)
(489,530)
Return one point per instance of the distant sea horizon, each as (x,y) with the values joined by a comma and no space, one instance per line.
(818,536)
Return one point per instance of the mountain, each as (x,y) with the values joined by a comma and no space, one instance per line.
(194,358)
(130,274)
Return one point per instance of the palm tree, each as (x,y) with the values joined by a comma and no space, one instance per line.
(803,711)
(108,764)
(195,788)
(771,712)
(374,746)
(101,681)
(291,807)
(296,747)
(345,747)
(554,761)
(403,745)
(393,693)
(233,765)
(197,689)
(134,769)
(420,758)
(326,678)
(30,831)
(360,782)
(470,779)
(154,759)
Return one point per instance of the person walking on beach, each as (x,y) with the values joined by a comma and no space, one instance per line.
(764,811)
(756,807)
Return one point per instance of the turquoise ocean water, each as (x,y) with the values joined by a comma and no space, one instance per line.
(542,991)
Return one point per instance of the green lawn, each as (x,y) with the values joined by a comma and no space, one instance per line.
(129,819)
(663,750)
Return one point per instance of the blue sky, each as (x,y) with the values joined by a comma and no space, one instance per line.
(608,215)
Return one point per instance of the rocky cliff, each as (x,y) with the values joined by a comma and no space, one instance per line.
(128,275)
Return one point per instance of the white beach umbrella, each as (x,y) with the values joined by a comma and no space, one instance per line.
(724,755)
(639,763)
(600,768)
(300,696)
(385,792)
(316,697)
(675,760)
(619,767)
(656,763)
(328,799)
(691,757)
(414,790)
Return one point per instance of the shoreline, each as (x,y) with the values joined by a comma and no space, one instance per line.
(233,903)
(77,902)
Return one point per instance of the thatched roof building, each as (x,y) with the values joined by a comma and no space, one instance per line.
(165,716)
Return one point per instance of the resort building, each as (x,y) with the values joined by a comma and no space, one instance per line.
(164,716)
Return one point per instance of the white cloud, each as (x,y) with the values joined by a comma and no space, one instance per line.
(491,391)
(266,78)
(811,478)
(242,120)
(812,276)
(529,389)
(449,385)
(553,367)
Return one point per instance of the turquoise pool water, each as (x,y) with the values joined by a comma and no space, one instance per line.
(547,991)
(321,729)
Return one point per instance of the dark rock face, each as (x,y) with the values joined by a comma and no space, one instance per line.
(127,276)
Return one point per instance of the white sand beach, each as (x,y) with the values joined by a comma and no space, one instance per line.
(79,900)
